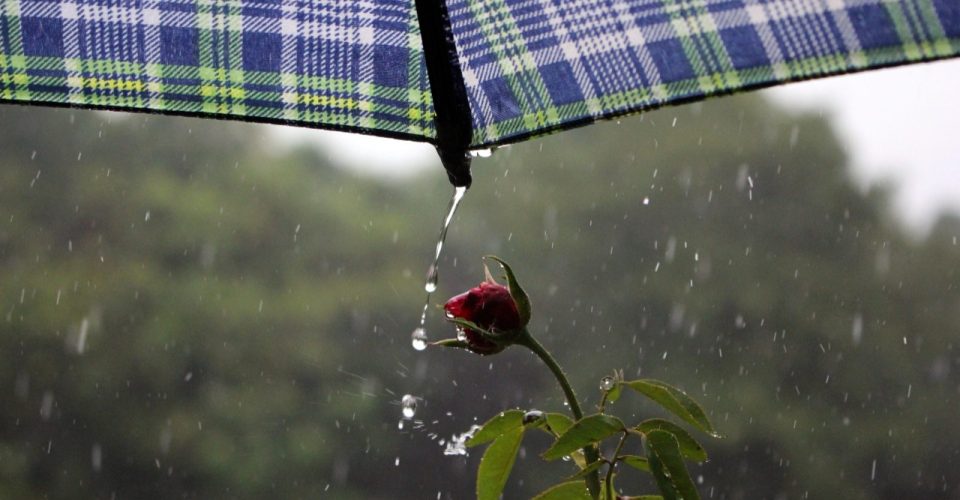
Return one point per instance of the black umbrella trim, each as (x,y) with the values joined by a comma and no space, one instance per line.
(452,121)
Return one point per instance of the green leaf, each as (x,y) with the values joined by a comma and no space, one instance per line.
(661,476)
(614,394)
(586,470)
(642,497)
(676,401)
(519,296)
(584,432)
(571,490)
(496,427)
(558,423)
(639,463)
(689,446)
(496,464)
(450,343)
(662,448)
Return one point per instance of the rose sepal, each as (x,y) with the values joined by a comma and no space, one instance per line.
(501,338)
(455,343)
(519,296)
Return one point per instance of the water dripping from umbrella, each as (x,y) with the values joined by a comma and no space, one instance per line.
(419,335)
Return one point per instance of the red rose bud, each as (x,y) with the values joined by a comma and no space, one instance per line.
(490,307)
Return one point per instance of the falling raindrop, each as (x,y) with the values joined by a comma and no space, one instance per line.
(646,200)
(419,339)
(857,331)
(46,406)
(408,405)
(607,383)
(96,457)
(82,336)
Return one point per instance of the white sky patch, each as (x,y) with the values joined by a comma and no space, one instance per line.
(901,126)
(366,153)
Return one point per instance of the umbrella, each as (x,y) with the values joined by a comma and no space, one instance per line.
(460,74)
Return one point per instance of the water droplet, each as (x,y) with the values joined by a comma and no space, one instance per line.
(461,334)
(400,424)
(96,457)
(419,339)
(857,331)
(646,200)
(433,272)
(607,383)
(46,406)
(82,336)
(432,277)
(408,405)
(481,153)
(532,416)
(458,443)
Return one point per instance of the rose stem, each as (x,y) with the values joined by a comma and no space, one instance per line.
(613,462)
(590,453)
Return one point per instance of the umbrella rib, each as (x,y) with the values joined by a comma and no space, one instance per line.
(453,120)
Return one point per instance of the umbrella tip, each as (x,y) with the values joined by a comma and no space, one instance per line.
(457,164)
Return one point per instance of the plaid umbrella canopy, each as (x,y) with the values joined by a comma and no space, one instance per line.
(459,74)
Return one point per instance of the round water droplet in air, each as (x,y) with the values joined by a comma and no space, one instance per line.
(607,383)
(408,405)
(532,416)
(419,339)
(646,200)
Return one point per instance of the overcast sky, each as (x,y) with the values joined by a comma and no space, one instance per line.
(901,125)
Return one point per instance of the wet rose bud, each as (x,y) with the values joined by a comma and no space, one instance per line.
(488,306)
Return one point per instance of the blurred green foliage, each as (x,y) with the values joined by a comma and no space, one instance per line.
(188,310)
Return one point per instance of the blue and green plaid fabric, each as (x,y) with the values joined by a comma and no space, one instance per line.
(343,64)
(530,66)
